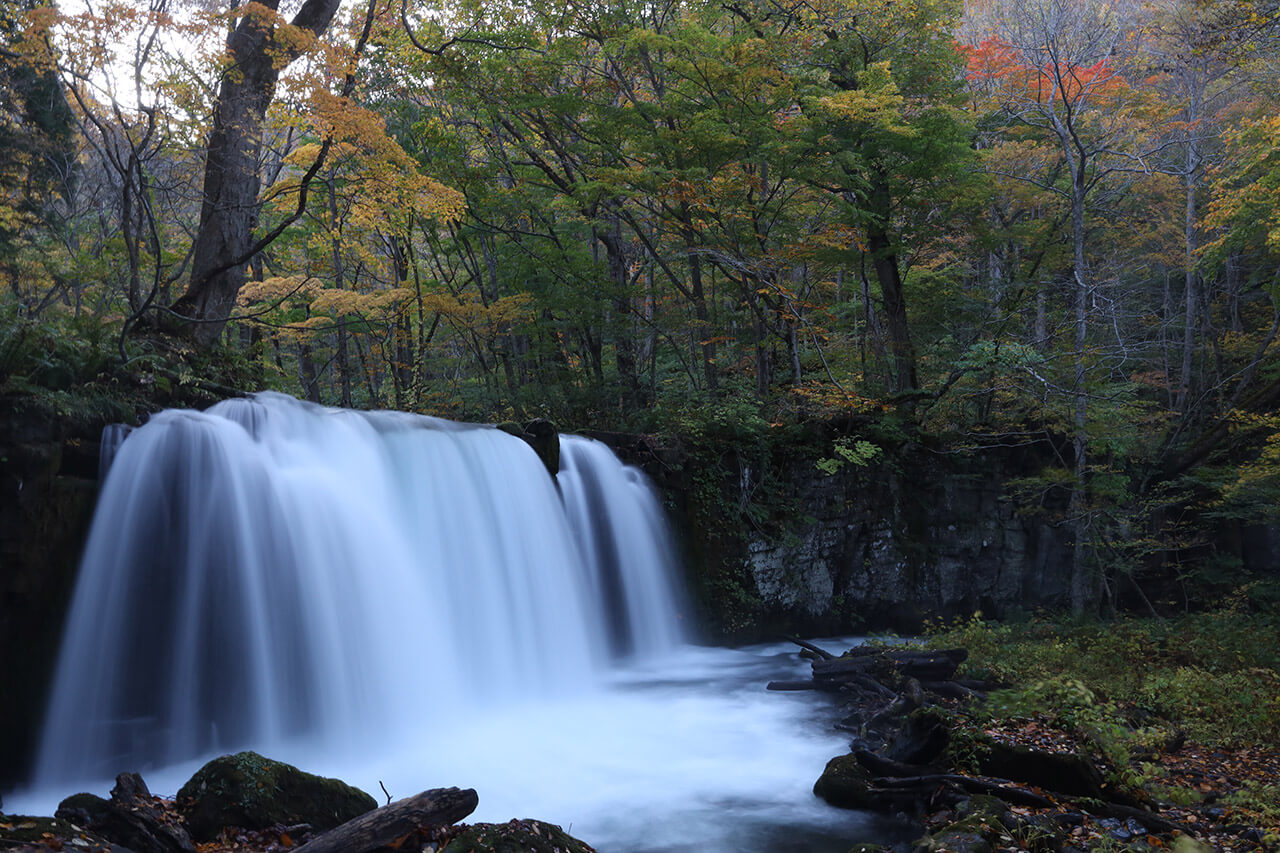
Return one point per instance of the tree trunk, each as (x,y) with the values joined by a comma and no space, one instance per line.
(229,206)
(1078,507)
(390,825)
(1189,267)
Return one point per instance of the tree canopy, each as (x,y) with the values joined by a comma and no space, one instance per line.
(1048,223)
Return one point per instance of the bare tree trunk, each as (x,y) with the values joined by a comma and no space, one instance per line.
(229,206)
(1078,509)
(1189,270)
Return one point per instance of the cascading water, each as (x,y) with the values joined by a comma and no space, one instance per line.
(269,570)
(394,599)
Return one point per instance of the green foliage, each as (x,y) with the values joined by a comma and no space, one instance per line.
(1214,676)
(853,451)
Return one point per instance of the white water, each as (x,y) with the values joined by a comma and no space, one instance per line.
(398,600)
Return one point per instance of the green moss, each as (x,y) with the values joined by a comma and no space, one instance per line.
(845,783)
(253,792)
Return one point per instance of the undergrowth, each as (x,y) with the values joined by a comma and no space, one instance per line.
(1214,676)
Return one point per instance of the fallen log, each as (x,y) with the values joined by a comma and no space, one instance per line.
(953,690)
(820,652)
(882,766)
(1011,795)
(1148,819)
(925,666)
(384,826)
(795,685)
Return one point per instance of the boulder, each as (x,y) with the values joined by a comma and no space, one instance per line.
(248,791)
(544,438)
(847,784)
(517,836)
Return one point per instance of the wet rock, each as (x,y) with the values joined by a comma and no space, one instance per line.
(252,792)
(846,784)
(517,836)
(544,437)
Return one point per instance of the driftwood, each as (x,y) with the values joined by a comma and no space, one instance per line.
(384,826)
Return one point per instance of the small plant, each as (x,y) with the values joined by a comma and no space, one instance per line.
(849,451)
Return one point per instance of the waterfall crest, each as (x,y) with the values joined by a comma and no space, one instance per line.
(270,570)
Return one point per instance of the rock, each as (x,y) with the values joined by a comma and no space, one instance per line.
(870,848)
(252,792)
(132,818)
(846,784)
(517,836)
(544,438)
(1064,772)
(82,809)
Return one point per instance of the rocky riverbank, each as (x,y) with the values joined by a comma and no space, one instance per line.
(245,803)
(921,747)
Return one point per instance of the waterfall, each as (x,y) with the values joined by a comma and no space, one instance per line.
(271,571)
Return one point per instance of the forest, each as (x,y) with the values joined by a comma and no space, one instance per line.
(977,300)
(1047,225)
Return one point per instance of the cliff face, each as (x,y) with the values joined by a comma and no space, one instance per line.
(776,543)
(48,481)
(881,548)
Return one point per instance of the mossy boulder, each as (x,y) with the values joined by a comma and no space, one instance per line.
(252,792)
(517,836)
(83,809)
(847,784)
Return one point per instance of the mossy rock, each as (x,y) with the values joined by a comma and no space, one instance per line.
(544,437)
(252,792)
(517,836)
(82,809)
(845,783)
